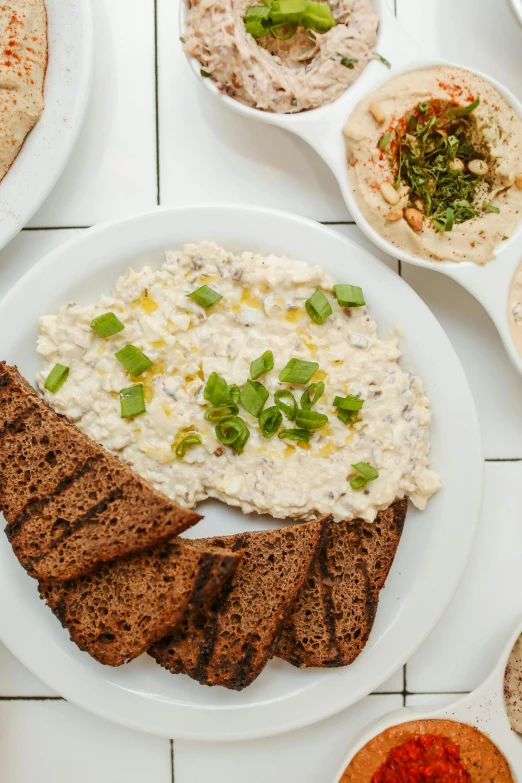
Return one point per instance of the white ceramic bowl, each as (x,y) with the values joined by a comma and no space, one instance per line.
(49,145)
(322,129)
(484,708)
(434,547)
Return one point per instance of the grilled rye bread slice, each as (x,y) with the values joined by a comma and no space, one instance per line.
(119,610)
(70,504)
(335,611)
(230,639)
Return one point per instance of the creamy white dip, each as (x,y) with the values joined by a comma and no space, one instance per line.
(262,309)
(513,687)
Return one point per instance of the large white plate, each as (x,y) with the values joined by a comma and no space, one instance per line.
(47,148)
(435,544)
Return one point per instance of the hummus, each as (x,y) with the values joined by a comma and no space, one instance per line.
(300,73)
(372,136)
(513,687)
(262,309)
(515,309)
(481,758)
(23,61)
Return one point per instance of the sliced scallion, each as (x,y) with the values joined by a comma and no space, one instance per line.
(303,435)
(298,371)
(318,307)
(311,395)
(347,417)
(310,420)
(384,140)
(132,401)
(367,473)
(270,421)
(349,295)
(192,439)
(234,393)
(205,296)
(221,413)
(491,208)
(106,325)
(253,397)
(56,377)
(348,408)
(289,409)
(261,365)
(233,432)
(216,390)
(134,360)
(383,60)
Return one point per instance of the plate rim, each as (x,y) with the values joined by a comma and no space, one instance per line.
(92,693)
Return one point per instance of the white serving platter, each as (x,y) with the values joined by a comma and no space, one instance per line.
(435,544)
(322,129)
(484,708)
(47,148)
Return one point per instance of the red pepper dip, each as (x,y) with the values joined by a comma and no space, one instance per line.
(429,751)
(425,758)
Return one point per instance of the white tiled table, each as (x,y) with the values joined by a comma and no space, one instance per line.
(152,135)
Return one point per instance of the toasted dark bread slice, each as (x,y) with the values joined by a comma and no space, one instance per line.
(230,639)
(69,504)
(334,614)
(119,610)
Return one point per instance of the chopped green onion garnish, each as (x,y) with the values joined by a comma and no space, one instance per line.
(132,401)
(289,410)
(234,393)
(348,403)
(106,325)
(295,435)
(461,111)
(423,107)
(349,295)
(56,377)
(310,420)
(318,307)
(287,15)
(349,62)
(384,140)
(134,360)
(261,365)
(298,371)
(383,60)
(183,40)
(367,473)
(490,208)
(446,221)
(292,6)
(192,439)
(233,432)
(346,416)
(253,397)
(205,74)
(216,390)
(311,395)
(221,413)
(270,421)
(205,296)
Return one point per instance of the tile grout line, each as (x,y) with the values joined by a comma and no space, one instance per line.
(31,698)
(171,761)
(55,228)
(156,85)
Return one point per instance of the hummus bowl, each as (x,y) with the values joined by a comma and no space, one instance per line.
(322,129)
(143,695)
(483,709)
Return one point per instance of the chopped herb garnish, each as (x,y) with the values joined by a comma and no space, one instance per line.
(311,395)
(234,393)
(253,397)
(106,325)
(310,420)
(205,296)
(490,208)
(349,295)
(216,390)
(270,421)
(348,407)
(302,435)
(221,413)
(262,365)
(134,360)
(318,307)
(192,439)
(205,74)
(383,60)
(282,18)
(298,371)
(132,401)
(349,62)
(56,378)
(293,102)
(384,140)
(233,432)
(367,473)
(431,154)
(289,409)
(183,40)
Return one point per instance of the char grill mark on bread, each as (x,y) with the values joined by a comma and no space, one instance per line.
(69,504)
(229,640)
(116,612)
(334,614)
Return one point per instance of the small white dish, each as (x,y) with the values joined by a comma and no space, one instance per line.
(435,544)
(484,708)
(322,129)
(48,146)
